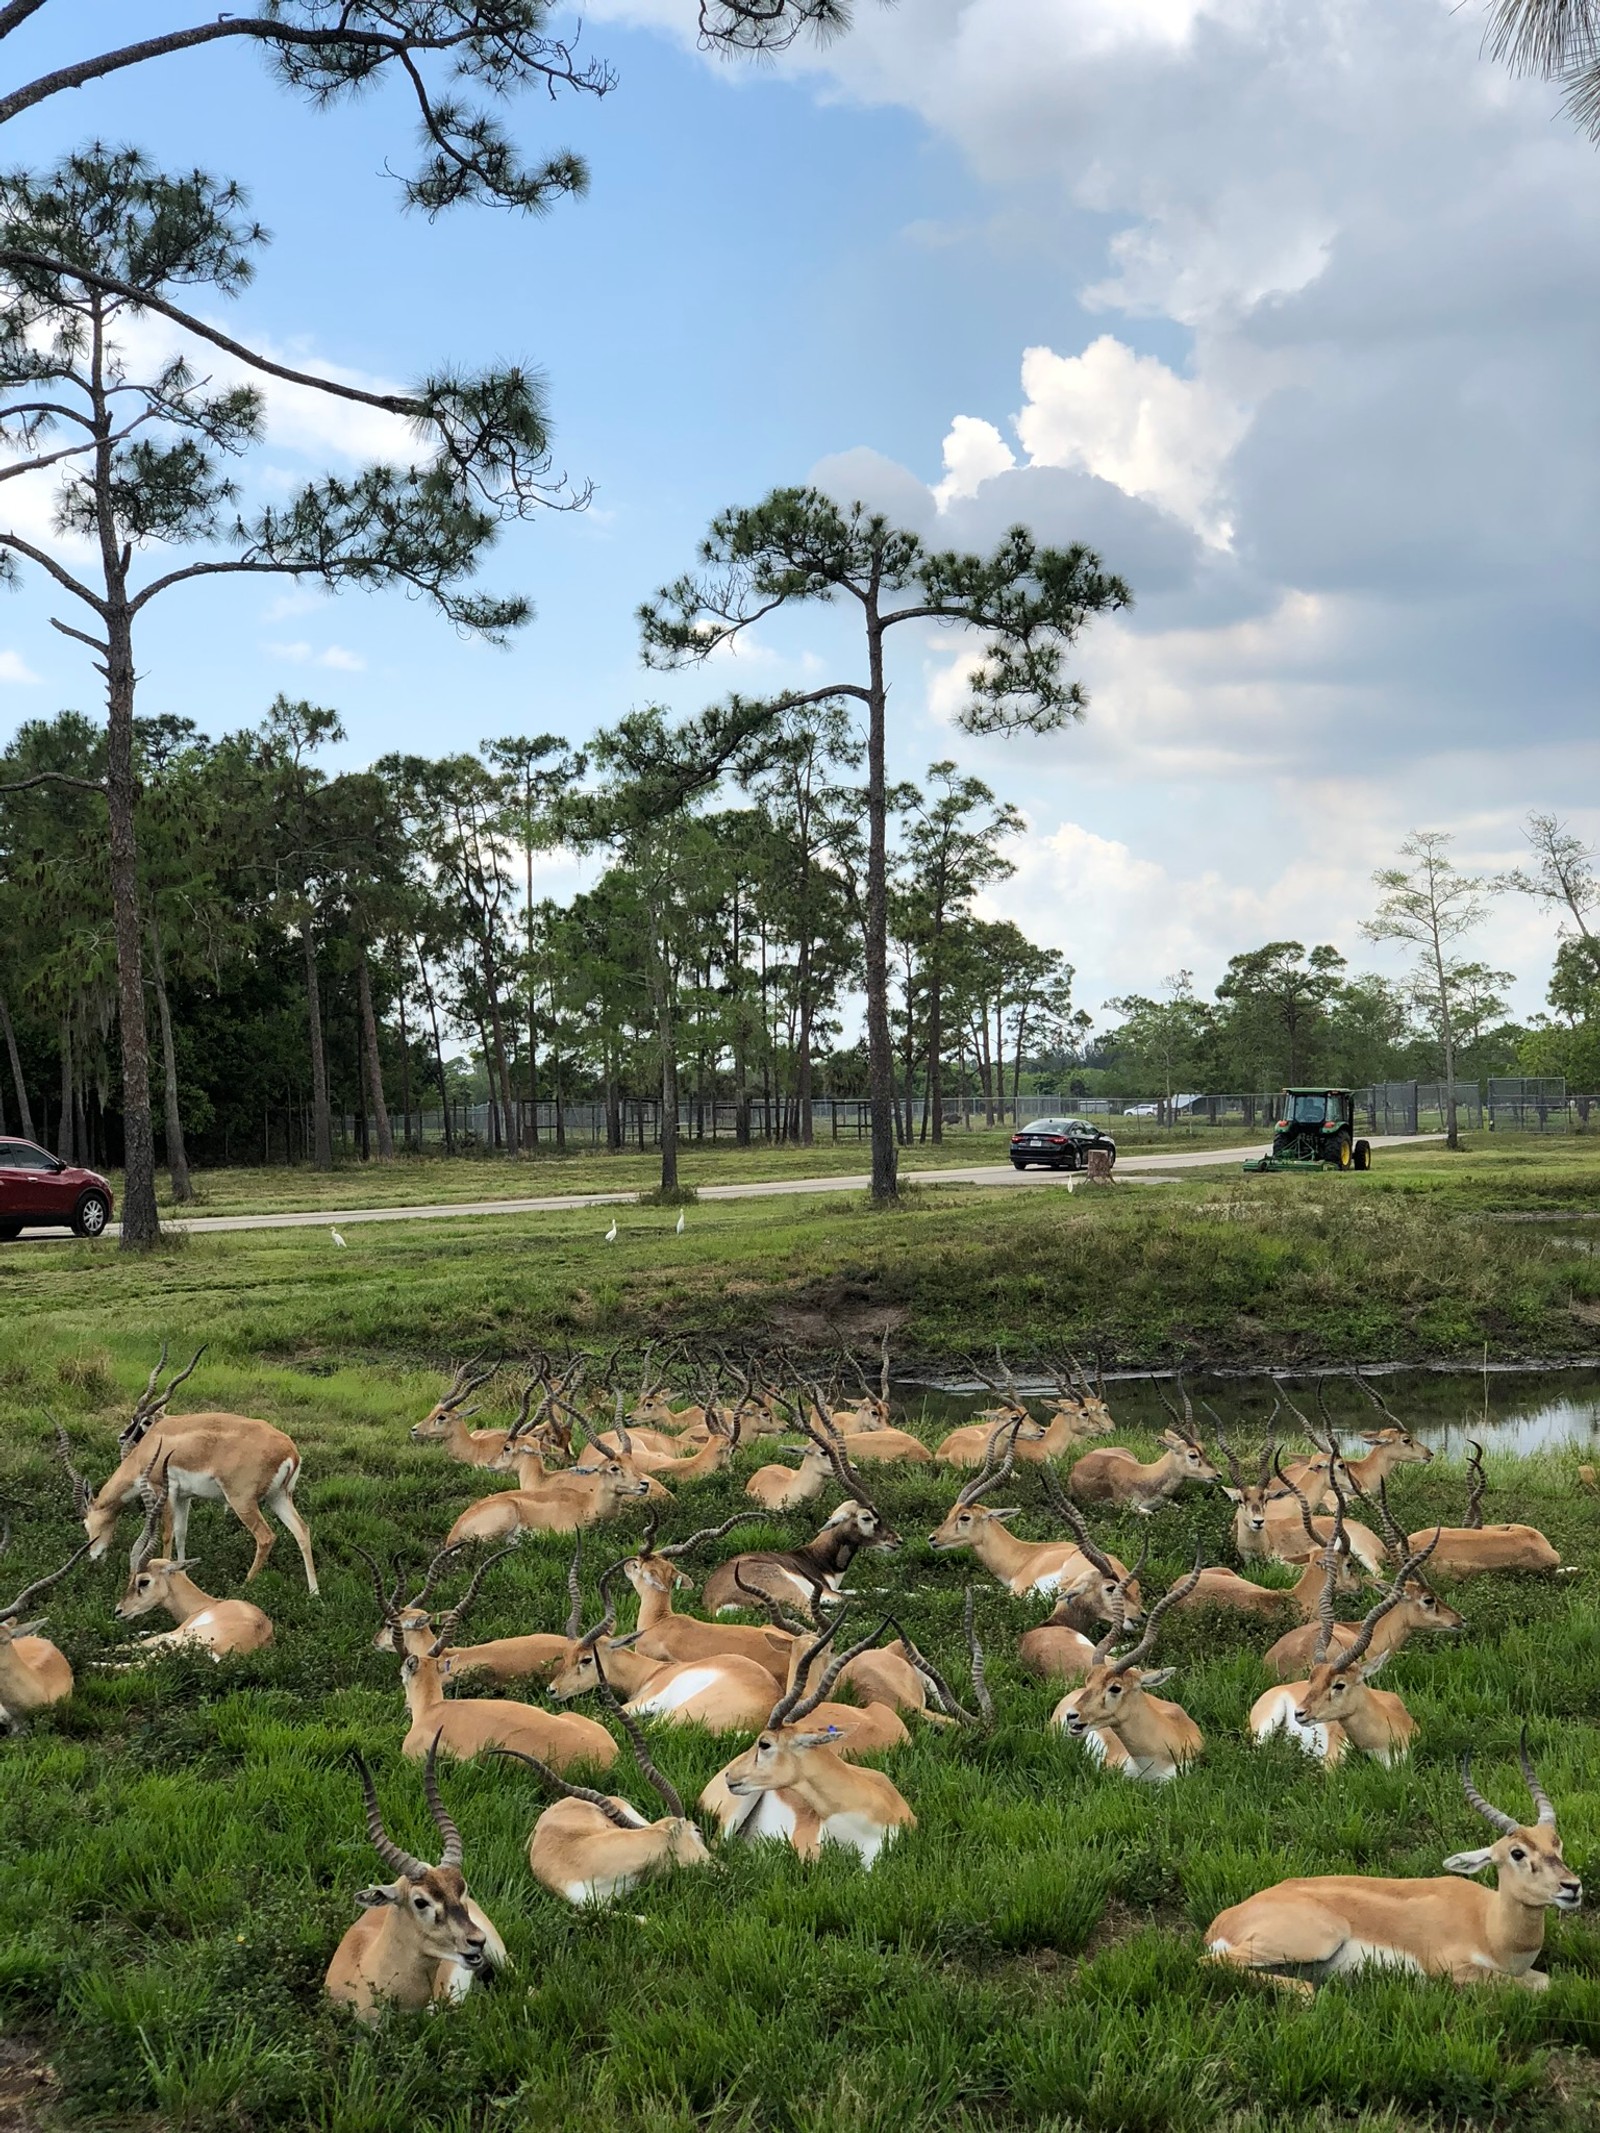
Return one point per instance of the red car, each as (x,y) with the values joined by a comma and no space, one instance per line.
(39,1191)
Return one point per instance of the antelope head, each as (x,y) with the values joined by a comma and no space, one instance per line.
(1528,1857)
(1334,1684)
(1252,1497)
(150,1575)
(969,1518)
(437,1422)
(152,1403)
(777,1757)
(1114,1683)
(430,1902)
(99,1520)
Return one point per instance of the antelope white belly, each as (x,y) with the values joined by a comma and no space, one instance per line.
(677,1692)
(1048,1583)
(1274,1713)
(181,1482)
(859,1832)
(1358,1954)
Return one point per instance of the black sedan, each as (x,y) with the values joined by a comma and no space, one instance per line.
(1058,1143)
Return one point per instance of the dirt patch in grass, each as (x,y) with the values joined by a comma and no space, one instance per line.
(28,2085)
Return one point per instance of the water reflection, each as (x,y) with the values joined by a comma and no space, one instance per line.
(1510,1411)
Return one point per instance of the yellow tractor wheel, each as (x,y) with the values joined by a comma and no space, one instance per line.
(1344,1155)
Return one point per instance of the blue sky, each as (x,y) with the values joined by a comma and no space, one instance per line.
(1294,314)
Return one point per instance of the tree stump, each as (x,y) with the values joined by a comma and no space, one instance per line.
(1099,1166)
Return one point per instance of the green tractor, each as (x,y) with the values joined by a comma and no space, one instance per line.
(1316,1127)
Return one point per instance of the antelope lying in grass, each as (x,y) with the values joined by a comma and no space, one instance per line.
(1301,1933)
(795,1576)
(1419,1609)
(794,1784)
(219,1627)
(465,1726)
(890,1680)
(591,1847)
(559,1503)
(33,1673)
(421,1939)
(1057,1568)
(408,1627)
(1115,1475)
(1122,1725)
(1336,1707)
(1293,1535)
(653,1573)
(785,1488)
(1251,1498)
(1076,1415)
(229,1458)
(1225,1588)
(724,1693)
(1472,1549)
(446,1423)
(1061,1648)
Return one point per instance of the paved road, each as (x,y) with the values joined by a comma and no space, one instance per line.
(978,1174)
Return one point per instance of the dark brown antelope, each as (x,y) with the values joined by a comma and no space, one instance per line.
(421,1940)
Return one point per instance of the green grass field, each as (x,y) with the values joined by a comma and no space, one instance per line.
(179,1848)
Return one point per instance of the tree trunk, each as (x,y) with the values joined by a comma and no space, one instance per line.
(64,1146)
(321,1118)
(880,1042)
(141,1225)
(438,1051)
(1452,1134)
(17,1081)
(405,1065)
(369,1032)
(936,1032)
(666,1037)
(613,1106)
(172,1116)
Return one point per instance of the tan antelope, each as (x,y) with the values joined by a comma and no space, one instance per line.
(219,1457)
(1419,1610)
(795,1785)
(1472,1549)
(1250,1498)
(1293,1535)
(1392,1446)
(894,1677)
(1336,1707)
(1225,1588)
(1114,1475)
(220,1627)
(33,1673)
(653,1573)
(1300,1933)
(785,1488)
(1056,1568)
(421,1940)
(407,1626)
(1077,1414)
(715,1452)
(560,1503)
(591,1847)
(725,1693)
(446,1422)
(1122,1725)
(465,1726)
(1061,1648)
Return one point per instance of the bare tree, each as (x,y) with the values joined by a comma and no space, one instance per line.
(1429,906)
(1563,871)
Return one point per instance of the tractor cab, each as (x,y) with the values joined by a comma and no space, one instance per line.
(1313,1127)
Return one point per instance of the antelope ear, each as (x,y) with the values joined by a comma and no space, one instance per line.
(1234,1495)
(1369,1667)
(28,1629)
(1011,1511)
(1158,1679)
(1469,1862)
(380,1893)
(816,1740)
(682,1577)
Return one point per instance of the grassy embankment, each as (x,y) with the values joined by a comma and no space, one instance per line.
(179,1849)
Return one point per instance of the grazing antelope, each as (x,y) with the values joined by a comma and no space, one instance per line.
(446,1423)
(653,1573)
(1472,1548)
(219,1627)
(785,1488)
(232,1458)
(1060,1568)
(590,1847)
(1123,1726)
(1115,1475)
(1303,1932)
(795,1784)
(420,1939)
(561,1503)
(407,1626)
(1420,1609)
(33,1673)
(1336,1707)
(794,1575)
(465,1726)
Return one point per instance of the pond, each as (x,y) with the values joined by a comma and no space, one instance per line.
(1507,1410)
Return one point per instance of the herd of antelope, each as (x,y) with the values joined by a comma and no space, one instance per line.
(810,1704)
